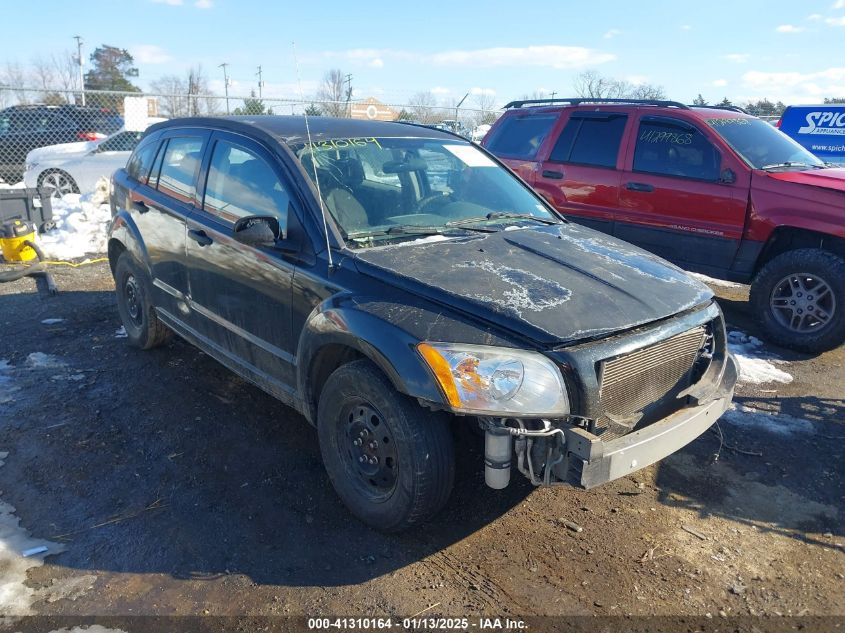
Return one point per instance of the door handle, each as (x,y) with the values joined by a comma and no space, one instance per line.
(639,186)
(200,237)
(554,175)
(140,206)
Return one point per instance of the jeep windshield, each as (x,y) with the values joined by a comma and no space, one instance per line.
(762,146)
(381,189)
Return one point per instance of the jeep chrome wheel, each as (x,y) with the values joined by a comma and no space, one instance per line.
(803,302)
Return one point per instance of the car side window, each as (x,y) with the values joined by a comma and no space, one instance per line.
(179,168)
(140,162)
(241,184)
(590,140)
(521,136)
(675,149)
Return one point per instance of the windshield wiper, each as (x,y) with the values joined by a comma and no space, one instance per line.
(412,229)
(499,215)
(786,164)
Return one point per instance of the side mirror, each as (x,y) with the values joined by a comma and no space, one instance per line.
(727,176)
(255,230)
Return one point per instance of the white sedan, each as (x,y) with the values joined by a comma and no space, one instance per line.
(76,167)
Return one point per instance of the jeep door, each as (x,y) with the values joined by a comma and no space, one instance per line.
(520,138)
(581,175)
(673,200)
(160,205)
(241,294)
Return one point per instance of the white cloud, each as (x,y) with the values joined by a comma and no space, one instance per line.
(815,17)
(789,28)
(794,87)
(149,54)
(737,58)
(482,91)
(560,57)
(686,27)
(172,3)
(203,4)
(840,21)
(720,83)
(440,90)
(637,80)
(611,34)
(839,4)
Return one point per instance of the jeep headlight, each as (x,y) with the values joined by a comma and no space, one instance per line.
(496,381)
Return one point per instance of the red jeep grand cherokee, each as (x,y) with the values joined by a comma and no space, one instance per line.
(713,190)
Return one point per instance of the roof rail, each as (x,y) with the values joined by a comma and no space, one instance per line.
(581,100)
(717,106)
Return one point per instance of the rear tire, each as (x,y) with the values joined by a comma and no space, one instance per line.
(143,328)
(390,461)
(799,300)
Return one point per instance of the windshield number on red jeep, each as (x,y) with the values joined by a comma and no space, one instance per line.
(720,122)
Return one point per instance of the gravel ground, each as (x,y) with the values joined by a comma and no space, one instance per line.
(173,487)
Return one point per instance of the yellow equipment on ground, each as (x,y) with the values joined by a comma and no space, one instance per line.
(14,235)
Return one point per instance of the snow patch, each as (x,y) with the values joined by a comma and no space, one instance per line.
(96,628)
(714,282)
(16,598)
(81,225)
(6,386)
(755,367)
(773,422)
(17,185)
(40,360)
(120,332)
(51,321)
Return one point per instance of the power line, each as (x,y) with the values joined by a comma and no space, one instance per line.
(260,83)
(78,39)
(225,84)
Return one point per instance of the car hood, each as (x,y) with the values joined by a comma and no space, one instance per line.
(60,152)
(831,178)
(552,284)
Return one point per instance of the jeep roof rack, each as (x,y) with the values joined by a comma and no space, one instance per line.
(717,106)
(581,100)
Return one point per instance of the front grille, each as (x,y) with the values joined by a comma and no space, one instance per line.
(631,383)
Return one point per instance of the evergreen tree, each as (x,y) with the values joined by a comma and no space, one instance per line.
(112,68)
(699,101)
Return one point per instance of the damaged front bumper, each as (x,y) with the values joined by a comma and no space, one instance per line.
(569,454)
(602,461)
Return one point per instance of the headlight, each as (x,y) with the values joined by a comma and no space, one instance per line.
(496,381)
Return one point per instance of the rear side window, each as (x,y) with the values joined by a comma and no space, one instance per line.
(590,140)
(675,149)
(241,184)
(179,168)
(139,164)
(521,137)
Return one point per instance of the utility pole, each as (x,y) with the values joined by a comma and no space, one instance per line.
(553,93)
(460,103)
(78,39)
(348,93)
(260,83)
(225,84)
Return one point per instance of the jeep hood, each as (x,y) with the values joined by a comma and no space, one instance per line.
(551,284)
(830,178)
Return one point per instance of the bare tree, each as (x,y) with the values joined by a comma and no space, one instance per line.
(485,101)
(332,95)
(592,85)
(185,96)
(66,70)
(423,106)
(13,76)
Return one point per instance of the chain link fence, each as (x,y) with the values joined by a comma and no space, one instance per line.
(88,122)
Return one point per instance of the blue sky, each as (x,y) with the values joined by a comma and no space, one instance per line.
(792,51)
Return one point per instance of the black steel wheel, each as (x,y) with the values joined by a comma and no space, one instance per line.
(390,461)
(132,286)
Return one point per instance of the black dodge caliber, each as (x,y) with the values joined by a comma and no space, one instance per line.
(389,281)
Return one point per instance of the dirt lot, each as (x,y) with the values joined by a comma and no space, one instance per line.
(176,488)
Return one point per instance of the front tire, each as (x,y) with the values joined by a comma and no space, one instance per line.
(133,288)
(390,461)
(799,299)
(58,182)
